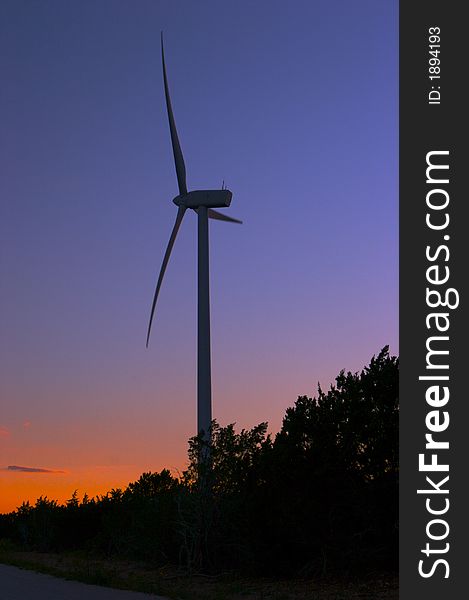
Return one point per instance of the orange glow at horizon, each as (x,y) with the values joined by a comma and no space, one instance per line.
(92,449)
(17,487)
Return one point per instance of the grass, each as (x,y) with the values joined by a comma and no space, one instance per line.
(174,584)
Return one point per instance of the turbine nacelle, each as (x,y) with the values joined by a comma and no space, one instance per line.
(208,198)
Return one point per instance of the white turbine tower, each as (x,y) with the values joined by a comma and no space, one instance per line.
(203,202)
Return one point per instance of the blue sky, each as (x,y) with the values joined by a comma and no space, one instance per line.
(295,106)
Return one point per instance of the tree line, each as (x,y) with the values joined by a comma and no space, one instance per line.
(319,496)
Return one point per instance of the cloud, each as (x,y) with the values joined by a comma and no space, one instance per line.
(26,425)
(29,469)
(4,432)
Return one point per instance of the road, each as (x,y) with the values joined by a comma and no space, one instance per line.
(19,584)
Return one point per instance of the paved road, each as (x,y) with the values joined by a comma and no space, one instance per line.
(19,584)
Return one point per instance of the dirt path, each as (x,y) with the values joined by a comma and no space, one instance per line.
(170,582)
(19,584)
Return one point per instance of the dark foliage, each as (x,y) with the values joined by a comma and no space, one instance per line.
(321,496)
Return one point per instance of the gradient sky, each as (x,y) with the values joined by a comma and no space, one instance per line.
(295,106)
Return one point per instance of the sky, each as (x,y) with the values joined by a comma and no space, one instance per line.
(295,106)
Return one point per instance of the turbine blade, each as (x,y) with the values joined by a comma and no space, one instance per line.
(214,214)
(177,152)
(172,239)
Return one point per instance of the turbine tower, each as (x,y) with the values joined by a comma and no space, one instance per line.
(203,202)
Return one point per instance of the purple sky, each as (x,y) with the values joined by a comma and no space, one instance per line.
(295,106)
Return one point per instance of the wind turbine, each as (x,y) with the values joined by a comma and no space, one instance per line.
(203,202)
